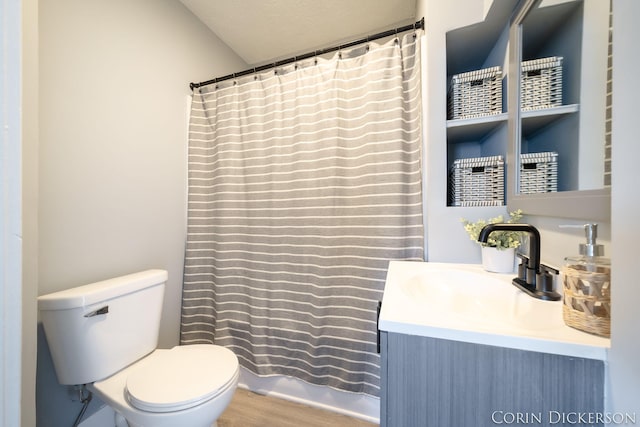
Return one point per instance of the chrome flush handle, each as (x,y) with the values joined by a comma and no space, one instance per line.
(102,310)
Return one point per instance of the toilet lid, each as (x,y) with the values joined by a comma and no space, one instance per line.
(180,378)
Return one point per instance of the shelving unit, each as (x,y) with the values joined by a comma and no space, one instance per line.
(474,129)
(552,31)
(470,48)
(556,31)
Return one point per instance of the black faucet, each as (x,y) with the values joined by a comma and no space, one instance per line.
(533,278)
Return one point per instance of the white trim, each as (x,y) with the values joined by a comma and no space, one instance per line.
(10,216)
(356,405)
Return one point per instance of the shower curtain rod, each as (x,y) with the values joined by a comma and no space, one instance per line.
(418,25)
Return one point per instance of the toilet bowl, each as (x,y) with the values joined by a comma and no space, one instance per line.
(184,386)
(104,335)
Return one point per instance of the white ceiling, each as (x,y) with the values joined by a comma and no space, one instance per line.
(262,31)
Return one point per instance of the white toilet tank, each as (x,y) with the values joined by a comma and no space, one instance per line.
(93,331)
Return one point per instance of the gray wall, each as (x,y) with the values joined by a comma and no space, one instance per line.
(113,103)
(111,179)
(30,135)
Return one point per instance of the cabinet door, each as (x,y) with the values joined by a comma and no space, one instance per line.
(435,382)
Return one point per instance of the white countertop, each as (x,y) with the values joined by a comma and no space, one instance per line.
(462,302)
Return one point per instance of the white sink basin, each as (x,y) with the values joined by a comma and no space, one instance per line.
(471,294)
(463,302)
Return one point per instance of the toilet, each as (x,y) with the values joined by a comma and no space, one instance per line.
(104,335)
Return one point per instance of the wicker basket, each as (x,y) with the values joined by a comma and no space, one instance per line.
(541,83)
(539,172)
(475,94)
(478,181)
(587,299)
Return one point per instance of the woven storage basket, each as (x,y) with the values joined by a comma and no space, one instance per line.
(475,94)
(541,83)
(478,181)
(587,299)
(539,172)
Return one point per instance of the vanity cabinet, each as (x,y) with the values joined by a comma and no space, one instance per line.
(437,382)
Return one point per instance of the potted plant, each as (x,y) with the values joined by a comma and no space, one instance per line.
(498,254)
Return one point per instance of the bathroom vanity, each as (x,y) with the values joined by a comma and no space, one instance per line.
(461,347)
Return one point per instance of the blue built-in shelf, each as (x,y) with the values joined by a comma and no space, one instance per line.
(537,119)
(476,128)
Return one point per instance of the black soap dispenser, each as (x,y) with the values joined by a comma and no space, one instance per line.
(587,287)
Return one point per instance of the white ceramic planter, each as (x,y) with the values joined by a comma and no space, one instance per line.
(498,261)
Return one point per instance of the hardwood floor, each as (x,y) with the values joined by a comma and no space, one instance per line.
(248,409)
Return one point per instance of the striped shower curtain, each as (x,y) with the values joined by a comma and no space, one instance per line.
(304,181)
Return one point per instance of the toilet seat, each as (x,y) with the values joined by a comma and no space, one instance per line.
(181,378)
